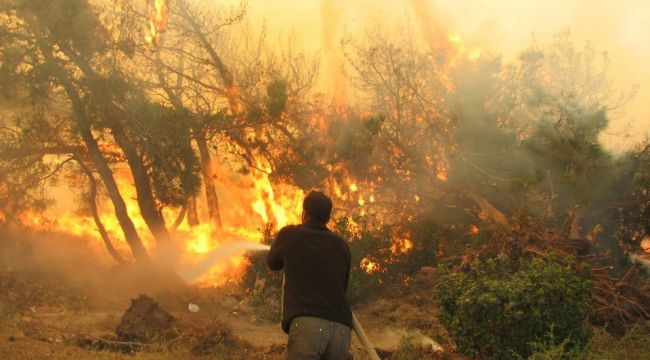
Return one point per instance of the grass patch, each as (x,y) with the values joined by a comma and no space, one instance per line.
(633,345)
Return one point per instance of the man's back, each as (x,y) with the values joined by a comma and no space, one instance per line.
(316,264)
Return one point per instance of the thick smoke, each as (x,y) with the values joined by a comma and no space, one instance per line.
(504,27)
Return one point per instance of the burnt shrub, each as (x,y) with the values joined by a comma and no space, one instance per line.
(501,306)
(258,271)
(370,256)
(382,255)
(388,254)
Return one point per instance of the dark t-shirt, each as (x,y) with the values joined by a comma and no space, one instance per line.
(316,265)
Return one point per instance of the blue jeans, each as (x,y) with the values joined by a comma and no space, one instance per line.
(312,338)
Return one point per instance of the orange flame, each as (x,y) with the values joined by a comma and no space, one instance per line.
(280,210)
(446,46)
(369,266)
(252,201)
(330,20)
(157,22)
(645,244)
(401,243)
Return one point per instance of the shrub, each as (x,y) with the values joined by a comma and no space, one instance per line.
(258,269)
(407,350)
(383,245)
(373,246)
(502,306)
(550,348)
(634,345)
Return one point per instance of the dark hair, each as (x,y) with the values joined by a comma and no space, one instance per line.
(317,207)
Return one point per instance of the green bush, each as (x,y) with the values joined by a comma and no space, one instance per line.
(501,307)
(550,348)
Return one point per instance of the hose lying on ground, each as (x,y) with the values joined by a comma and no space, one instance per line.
(367,345)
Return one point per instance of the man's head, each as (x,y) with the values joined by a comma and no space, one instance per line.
(317,207)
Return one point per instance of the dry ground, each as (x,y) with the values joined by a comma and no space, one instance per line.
(56,295)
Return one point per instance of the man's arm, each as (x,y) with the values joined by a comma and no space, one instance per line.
(274,257)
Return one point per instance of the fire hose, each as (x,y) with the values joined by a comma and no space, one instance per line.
(367,345)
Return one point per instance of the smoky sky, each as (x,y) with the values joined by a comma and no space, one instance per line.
(504,27)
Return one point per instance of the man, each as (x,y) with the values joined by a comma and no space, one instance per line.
(316,264)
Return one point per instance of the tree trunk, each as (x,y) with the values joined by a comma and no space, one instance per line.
(83,122)
(128,228)
(144,193)
(489,209)
(192,214)
(92,203)
(208,181)
(180,218)
(486,207)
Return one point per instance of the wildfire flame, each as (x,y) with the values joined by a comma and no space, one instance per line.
(402,246)
(158,18)
(369,266)
(401,242)
(252,202)
(281,210)
(645,244)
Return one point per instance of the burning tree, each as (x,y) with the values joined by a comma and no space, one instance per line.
(245,100)
(47,47)
(93,102)
(73,70)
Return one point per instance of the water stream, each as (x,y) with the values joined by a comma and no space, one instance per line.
(217,255)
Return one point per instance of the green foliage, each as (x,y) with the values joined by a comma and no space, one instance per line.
(528,132)
(631,181)
(163,137)
(355,140)
(569,148)
(501,306)
(634,345)
(407,350)
(549,348)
